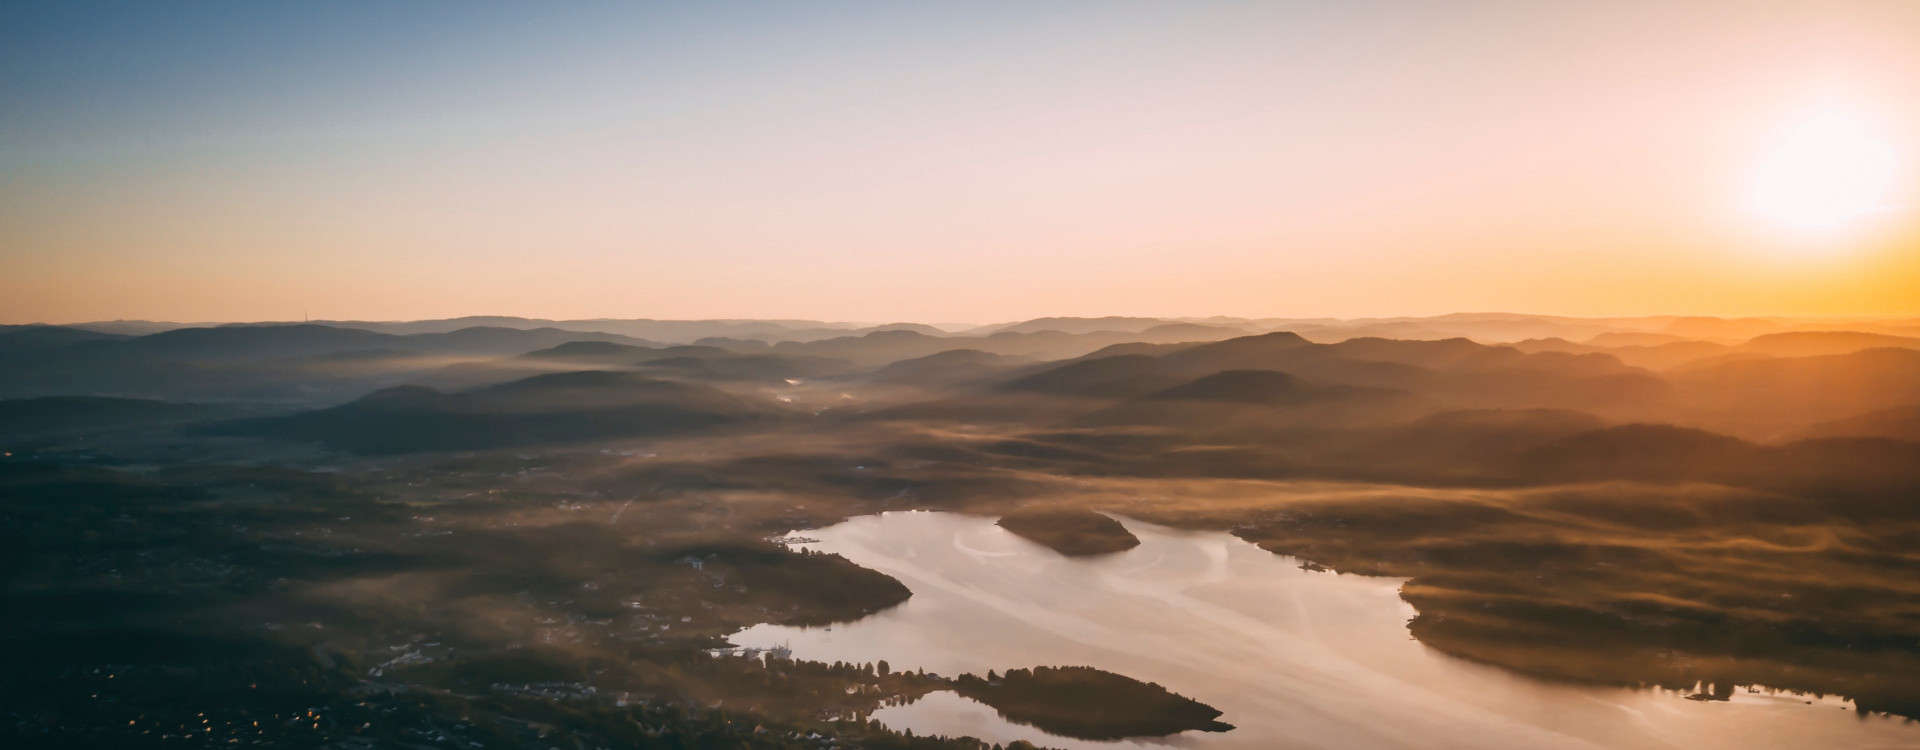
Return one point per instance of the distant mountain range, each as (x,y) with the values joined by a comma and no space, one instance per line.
(1191,375)
(560,407)
(1482,327)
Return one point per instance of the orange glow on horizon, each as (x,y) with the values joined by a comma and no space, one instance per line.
(972,164)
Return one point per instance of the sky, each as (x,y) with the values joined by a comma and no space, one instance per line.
(956,162)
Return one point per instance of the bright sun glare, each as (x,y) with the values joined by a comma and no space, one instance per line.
(1824,174)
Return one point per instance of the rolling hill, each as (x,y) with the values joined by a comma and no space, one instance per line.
(553,408)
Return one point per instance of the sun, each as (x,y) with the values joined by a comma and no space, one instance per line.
(1824,174)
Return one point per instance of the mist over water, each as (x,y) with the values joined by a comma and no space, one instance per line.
(1294,657)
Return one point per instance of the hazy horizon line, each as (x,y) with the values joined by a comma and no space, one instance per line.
(976,324)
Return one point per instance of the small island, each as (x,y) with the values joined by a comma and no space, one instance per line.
(1071,532)
(1089,704)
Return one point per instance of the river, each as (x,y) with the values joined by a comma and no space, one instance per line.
(1294,658)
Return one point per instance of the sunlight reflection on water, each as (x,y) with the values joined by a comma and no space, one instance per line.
(1295,658)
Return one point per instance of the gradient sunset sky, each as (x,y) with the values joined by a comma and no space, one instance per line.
(967,161)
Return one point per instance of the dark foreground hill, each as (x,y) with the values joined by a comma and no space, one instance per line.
(561,407)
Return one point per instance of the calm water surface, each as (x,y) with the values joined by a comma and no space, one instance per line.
(1295,658)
